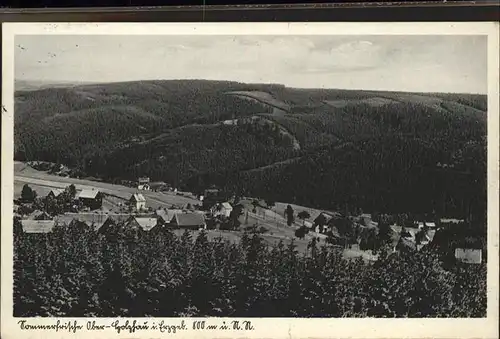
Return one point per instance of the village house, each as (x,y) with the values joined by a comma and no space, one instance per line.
(90,198)
(468,255)
(94,220)
(115,219)
(189,221)
(410,237)
(429,224)
(39,215)
(451,221)
(165,216)
(159,186)
(143,183)
(324,218)
(365,219)
(37,226)
(143,180)
(138,202)
(211,192)
(146,224)
(222,209)
(144,187)
(54,193)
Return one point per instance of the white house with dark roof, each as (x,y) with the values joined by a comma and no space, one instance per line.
(37,226)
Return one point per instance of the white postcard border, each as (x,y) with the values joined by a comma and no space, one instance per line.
(264,327)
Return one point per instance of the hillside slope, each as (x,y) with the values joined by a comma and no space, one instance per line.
(370,149)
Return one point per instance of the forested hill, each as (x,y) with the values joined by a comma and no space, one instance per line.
(331,148)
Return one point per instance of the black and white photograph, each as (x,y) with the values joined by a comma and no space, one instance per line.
(250,176)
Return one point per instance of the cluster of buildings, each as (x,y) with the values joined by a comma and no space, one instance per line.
(138,216)
(145,184)
(100,221)
(414,237)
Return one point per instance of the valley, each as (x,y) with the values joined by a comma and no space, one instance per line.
(188,133)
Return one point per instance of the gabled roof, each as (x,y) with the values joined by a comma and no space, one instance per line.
(451,220)
(327,215)
(469,255)
(119,217)
(227,205)
(37,226)
(38,215)
(158,184)
(88,194)
(91,219)
(407,243)
(56,191)
(167,215)
(138,197)
(146,223)
(189,219)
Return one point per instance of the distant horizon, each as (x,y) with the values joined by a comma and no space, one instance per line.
(406,63)
(47,83)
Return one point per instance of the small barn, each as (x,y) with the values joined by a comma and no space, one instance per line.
(91,198)
(138,202)
(468,255)
(223,209)
(189,221)
(37,226)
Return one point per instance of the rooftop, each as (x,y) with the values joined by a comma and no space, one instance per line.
(227,205)
(189,219)
(468,255)
(91,219)
(146,223)
(37,226)
(138,197)
(88,193)
(56,191)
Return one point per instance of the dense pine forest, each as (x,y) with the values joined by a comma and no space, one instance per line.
(382,151)
(77,272)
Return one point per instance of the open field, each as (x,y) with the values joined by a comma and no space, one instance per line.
(43,183)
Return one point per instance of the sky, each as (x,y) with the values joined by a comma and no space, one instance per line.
(446,63)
